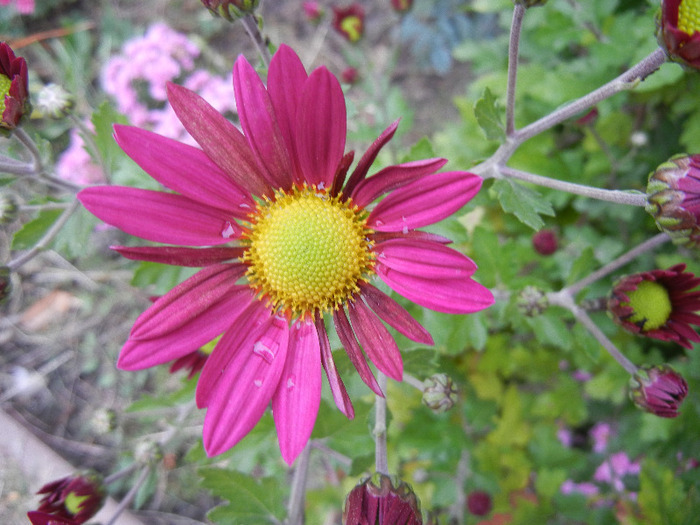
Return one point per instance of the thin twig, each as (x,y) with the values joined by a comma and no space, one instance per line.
(250,24)
(295,508)
(380,453)
(515,30)
(124,503)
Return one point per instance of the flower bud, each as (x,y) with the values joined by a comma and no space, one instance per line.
(379,499)
(231,9)
(658,389)
(479,503)
(673,199)
(53,101)
(349,75)
(74,499)
(350,21)
(545,242)
(439,393)
(532,301)
(678,31)
(660,304)
(8,208)
(14,94)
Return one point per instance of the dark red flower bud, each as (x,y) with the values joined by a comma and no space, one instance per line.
(479,503)
(401,6)
(14,82)
(380,501)
(545,242)
(73,499)
(658,389)
(678,31)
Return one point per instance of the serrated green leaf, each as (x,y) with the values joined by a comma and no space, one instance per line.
(525,203)
(488,115)
(420,362)
(423,149)
(35,229)
(74,238)
(103,121)
(249,500)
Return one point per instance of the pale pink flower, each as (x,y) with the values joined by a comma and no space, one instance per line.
(600,433)
(285,240)
(75,164)
(25,7)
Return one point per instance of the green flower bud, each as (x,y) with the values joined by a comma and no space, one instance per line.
(531,301)
(439,393)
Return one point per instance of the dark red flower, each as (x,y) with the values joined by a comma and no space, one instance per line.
(350,21)
(14,94)
(679,31)
(401,6)
(658,389)
(659,304)
(673,199)
(479,503)
(379,501)
(349,75)
(71,500)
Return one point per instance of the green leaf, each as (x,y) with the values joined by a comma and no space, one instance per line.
(488,115)
(423,149)
(163,276)
(249,500)
(525,203)
(74,238)
(35,229)
(108,150)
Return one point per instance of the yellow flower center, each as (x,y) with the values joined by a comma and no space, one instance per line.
(307,250)
(73,502)
(5,84)
(651,304)
(689,16)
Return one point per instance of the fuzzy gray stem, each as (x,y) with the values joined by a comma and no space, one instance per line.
(380,452)
(124,503)
(515,30)
(295,508)
(250,24)
(616,196)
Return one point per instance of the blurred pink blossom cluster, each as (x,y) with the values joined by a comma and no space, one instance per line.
(136,79)
(23,6)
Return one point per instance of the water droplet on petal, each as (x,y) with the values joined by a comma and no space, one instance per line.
(227,231)
(379,223)
(291,382)
(404,230)
(258,383)
(261,350)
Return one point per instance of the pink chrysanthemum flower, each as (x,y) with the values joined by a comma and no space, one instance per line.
(286,241)
(24,7)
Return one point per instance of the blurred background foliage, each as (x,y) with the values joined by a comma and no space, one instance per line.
(531,390)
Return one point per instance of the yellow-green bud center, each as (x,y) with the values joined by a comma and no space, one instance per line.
(307,251)
(73,502)
(5,84)
(651,304)
(352,27)
(689,16)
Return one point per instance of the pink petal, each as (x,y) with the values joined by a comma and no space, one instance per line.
(425,201)
(392,178)
(247,383)
(393,314)
(184,169)
(219,139)
(340,395)
(250,319)
(189,299)
(369,157)
(427,259)
(321,127)
(452,296)
(376,340)
(415,235)
(188,336)
(158,216)
(175,255)
(347,339)
(298,396)
(285,82)
(260,124)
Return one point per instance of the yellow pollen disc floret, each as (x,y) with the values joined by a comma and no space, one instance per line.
(307,251)
(5,85)
(689,16)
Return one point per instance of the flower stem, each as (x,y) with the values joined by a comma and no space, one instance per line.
(46,239)
(514,45)
(625,258)
(413,381)
(14,167)
(250,24)
(28,143)
(627,80)
(380,453)
(120,474)
(616,196)
(295,508)
(124,503)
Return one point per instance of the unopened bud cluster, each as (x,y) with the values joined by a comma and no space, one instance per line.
(532,301)
(439,393)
